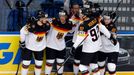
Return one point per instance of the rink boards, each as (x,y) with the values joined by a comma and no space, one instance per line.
(69,73)
(10,55)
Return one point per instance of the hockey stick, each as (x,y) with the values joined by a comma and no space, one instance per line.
(70,55)
(18,67)
(8,4)
(19,63)
(115,19)
(30,1)
(117,6)
(27,5)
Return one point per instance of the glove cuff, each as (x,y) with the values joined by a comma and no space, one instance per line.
(22,44)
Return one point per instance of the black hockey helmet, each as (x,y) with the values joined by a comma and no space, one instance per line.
(31,19)
(20,4)
(86,12)
(86,8)
(91,9)
(97,9)
(41,14)
(88,3)
(111,14)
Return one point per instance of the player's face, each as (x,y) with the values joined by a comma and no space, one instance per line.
(107,20)
(43,21)
(75,9)
(62,18)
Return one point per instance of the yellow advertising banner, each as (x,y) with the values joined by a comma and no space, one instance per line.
(9,46)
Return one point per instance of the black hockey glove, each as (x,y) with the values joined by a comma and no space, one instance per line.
(72,51)
(113,40)
(22,45)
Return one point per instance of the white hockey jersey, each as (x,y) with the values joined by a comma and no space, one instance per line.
(33,41)
(57,33)
(108,47)
(91,29)
(76,22)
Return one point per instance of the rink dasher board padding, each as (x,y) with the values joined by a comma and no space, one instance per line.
(10,42)
(65,73)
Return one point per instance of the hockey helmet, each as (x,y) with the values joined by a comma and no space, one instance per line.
(41,14)
(110,14)
(63,13)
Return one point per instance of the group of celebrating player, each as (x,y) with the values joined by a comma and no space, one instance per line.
(94,41)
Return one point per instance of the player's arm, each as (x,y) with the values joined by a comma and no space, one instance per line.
(105,31)
(23,33)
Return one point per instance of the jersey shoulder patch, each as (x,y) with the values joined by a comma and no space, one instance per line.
(86,25)
(92,22)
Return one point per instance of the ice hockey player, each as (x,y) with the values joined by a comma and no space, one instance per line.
(55,50)
(108,55)
(89,31)
(76,18)
(33,42)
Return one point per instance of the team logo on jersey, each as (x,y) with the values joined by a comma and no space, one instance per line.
(39,39)
(59,35)
(40,36)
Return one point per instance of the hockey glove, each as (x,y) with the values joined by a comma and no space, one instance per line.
(72,51)
(113,40)
(22,45)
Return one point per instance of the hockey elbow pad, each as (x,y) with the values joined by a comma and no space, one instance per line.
(22,45)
